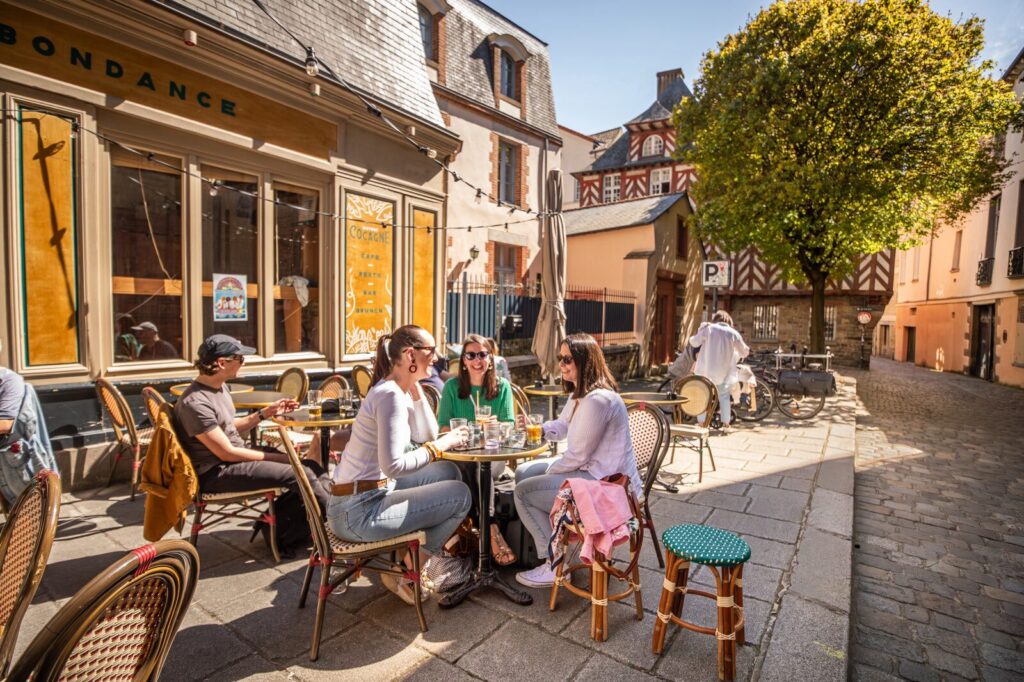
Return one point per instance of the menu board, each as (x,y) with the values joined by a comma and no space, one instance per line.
(369,271)
(423,268)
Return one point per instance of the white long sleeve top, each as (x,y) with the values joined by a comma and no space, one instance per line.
(388,420)
(721,347)
(596,431)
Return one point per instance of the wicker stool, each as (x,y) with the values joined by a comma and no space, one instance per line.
(724,554)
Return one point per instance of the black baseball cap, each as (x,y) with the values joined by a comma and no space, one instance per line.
(222,346)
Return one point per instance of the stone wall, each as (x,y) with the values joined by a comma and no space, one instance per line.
(794,323)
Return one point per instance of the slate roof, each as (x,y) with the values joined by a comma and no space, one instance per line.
(620,214)
(468,60)
(665,102)
(373,44)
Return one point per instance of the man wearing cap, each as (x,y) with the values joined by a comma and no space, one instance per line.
(153,347)
(126,346)
(205,416)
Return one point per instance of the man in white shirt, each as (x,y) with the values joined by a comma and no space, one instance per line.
(721,348)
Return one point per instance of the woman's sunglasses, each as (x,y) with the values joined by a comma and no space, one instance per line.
(476,354)
(565,359)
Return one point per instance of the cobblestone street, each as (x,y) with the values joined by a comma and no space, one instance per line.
(938,588)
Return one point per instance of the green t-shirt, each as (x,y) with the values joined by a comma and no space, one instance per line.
(454,407)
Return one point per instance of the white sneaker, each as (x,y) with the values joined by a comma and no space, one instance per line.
(541,576)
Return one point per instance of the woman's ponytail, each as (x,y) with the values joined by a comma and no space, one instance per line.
(381,361)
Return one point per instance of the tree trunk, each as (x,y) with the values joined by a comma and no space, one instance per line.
(818,280)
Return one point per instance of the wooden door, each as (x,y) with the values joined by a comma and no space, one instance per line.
(663,334)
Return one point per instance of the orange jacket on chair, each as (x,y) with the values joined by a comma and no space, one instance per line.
(168,478)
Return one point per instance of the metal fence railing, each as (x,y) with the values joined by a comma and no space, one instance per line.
(509,311)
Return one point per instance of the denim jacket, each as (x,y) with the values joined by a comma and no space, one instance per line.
(26,450)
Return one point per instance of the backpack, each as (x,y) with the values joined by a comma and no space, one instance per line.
(293,532)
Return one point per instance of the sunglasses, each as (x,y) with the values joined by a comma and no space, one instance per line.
(476,354)
(430,349)
(240,359)
(565,359)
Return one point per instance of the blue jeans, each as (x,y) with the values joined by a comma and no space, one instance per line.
(724,404)
(535,493)
(432,499)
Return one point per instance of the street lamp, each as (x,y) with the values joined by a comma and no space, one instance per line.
(474,253)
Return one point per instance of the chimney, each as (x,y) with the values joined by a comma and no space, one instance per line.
(665,79)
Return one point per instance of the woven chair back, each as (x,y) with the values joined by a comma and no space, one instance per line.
(152,399)
(25,543)
(120,414)
(332,386)
(700,396)
(432,395)
(520,401)
(293,383)
(316,524)
(453,366)
(361,377)
(120,626)
(648,430)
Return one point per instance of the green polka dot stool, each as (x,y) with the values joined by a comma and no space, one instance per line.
(724,554)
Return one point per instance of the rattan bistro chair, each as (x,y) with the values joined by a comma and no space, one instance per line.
(120,626)
(362,378)
(25,542)
(432,396)
(701,400)
(130,439)
(152,399)
(600,569)
(334,555)
(293,382)
(332,386)
(520,401)
(648,430)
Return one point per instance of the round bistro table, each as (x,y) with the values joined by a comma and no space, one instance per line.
(485,575)
(302,419)
(256,400)
(549,391)
(178,389)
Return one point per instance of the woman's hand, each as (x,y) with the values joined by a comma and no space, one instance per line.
(453,439)
(520,421)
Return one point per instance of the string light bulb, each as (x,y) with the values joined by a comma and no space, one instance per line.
(74,130)
(213,187)
(312,67)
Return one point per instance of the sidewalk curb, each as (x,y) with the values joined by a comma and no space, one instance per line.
(809,638)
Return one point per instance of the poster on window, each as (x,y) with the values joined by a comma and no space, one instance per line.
(229,300)
(368,271)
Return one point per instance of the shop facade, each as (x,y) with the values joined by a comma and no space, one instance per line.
(156,192)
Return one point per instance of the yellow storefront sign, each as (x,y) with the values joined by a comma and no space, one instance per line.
(369,270)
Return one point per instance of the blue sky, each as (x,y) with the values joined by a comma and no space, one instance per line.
(604,53)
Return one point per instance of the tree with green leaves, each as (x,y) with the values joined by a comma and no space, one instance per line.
(826,130)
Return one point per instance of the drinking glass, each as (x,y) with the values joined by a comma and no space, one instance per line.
(483,414)
(457,422)
(506,429)
(345,399)
(314,398)
(534,431)
(517,438)
(492,436)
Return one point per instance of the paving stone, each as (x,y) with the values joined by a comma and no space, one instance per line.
(720,500)
(624,633)
(902,648)
(787,505)
(601,667)
(550,656)
(202,646)
(434,669)
(742,524)
(951,663)
(808,642)
(832,512)
(998,657)
(822,571)
(360,653)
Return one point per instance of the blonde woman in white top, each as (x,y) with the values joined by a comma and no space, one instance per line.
(389,480)
(595,426)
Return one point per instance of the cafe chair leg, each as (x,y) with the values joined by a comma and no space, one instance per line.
(321,608)
(314,559)
(271,519)
(197,524)
(636,578)
(599,602)
(414,553)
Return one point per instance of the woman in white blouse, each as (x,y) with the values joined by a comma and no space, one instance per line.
(594,425)
(389,481)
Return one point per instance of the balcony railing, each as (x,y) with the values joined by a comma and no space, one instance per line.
(1015,268)
(985,267)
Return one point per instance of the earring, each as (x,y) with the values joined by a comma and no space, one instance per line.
(413,368)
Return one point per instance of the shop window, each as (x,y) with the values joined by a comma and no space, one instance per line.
(654,146)
(297,278)
(766,323)
(369,271)
(230,248)
(509,79)
(146,222)
(508,172)
(661,180)
(424,281)
(47,172)
(611,186)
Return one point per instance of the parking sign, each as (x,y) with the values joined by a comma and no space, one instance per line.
(717,273)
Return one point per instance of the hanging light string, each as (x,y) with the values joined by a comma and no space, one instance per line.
(324,68)
(214,185)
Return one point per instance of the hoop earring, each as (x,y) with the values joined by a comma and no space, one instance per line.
(412,368)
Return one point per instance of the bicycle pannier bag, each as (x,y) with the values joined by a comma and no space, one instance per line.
(806,382)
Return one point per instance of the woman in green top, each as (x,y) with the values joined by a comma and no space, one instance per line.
(477,383)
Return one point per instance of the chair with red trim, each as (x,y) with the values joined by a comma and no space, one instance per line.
(648,430)
(25,542)
(333,554)
(130,438)
(120,626)
(600,568)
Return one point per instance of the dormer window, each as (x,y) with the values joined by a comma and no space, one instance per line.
(428,33)
(653,146)
(509,76)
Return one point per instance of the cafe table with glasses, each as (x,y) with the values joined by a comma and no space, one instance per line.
(485,575)
(256,400)
(178,389)
(321,420)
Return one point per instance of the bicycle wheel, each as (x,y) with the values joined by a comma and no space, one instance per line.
(800,407)
(765,401)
